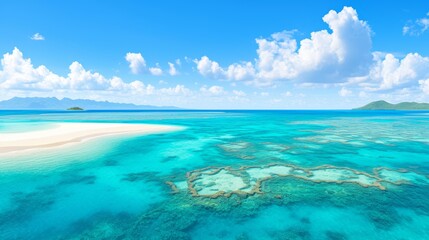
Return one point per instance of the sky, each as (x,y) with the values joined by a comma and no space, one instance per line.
(217,54)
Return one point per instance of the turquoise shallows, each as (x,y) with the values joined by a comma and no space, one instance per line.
(136,187)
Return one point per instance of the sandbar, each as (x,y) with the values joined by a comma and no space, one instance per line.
(72,133)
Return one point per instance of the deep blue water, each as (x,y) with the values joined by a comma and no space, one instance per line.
(120,187)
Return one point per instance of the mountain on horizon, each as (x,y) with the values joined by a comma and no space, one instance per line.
(383,105)
(52,103)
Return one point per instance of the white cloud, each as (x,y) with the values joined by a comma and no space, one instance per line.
(324,57)
(212,69)
(239,72)
(19,74)
(37,37)
(155,71)
(172,69)
(213,90)
(389,72)
(344,92)
(424,86)
(79,78)
(340,56)
(136,62)
(19,77)
(424,23)
(209,68)
(417,27)
(406,29)
(178,90)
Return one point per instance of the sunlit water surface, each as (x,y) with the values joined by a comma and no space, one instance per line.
(137,187)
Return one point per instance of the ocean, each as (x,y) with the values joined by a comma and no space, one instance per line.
(226,175)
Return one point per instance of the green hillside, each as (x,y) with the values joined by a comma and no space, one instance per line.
(383,105)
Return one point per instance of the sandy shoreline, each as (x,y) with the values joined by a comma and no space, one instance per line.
(72,133)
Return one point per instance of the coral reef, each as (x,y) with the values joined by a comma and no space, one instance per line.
(214,182)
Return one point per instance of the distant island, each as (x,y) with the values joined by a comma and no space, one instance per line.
(383,105)
(39,103)
(75,109)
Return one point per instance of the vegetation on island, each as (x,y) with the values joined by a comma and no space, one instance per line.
(383,105)
(75,109)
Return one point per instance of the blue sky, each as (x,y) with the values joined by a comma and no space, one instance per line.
(226,54)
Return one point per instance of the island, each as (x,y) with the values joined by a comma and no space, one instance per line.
(383,105)
(75,109)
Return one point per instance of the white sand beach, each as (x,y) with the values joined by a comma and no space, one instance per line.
(62,134)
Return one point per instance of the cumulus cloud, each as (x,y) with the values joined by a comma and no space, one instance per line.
(417,27)
(136,62)
(213,90)
(340,55)
(19,77)
(155,71)
(424,86)
(209,68)
(172,69)
(19,74)
(389,72)
(37,37)
(178,90)
(242,71)
(343,52)
(236,71)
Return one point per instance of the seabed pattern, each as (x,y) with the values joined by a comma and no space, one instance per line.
(251,175)
(213,182)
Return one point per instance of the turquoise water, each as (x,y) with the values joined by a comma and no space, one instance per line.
(159,187)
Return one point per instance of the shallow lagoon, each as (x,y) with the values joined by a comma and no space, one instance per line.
(141,187)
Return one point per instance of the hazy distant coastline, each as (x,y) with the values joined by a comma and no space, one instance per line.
(33,103)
